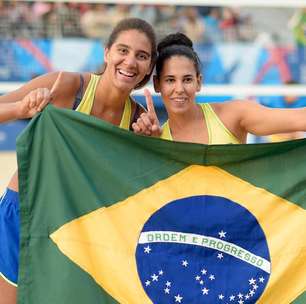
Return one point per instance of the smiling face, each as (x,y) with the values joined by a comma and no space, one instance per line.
(178,84)
(128,60)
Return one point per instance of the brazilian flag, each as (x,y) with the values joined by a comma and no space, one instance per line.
(111,217)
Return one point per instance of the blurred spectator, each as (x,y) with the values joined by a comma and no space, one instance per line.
(49,19)
(20,15)
(144,11)
(5,29)
(63,20)
(246,28)
(212,25)
(119,12)
(96,22)
(40,12)
(167,20)
(229,24)
(165,13)
(192,24)
(298,26)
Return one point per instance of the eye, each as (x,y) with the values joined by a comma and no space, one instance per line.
(188,79)
(169,80)
(142,56)
(122,51)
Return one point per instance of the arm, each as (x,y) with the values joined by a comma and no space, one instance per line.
(9,111)
(260,120)
(19,110)
(61,86)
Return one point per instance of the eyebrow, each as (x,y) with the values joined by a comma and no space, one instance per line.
(128,47)
(187,75)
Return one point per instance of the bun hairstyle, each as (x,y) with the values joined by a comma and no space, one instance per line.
(177,44)
(174,39)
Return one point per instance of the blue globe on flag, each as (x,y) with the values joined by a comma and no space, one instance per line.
(203,249)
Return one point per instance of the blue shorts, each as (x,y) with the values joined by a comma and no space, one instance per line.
(9,236)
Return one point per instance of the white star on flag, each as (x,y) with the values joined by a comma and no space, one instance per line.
(201,282)
(203,271)
(261,279)
(148,283)
(255,287)
(222,234)
(205,291)
(154,277)
(160,272)
(240,302)
(220,256)
(252,292)
(252,281)
(167,290)
(221,296)
(178,298)
(211,277)
(240,295)
(232,298)
(168,284)
(147,249)
(197,278)
(184,263)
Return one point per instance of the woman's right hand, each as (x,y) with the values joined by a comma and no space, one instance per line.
(148,123)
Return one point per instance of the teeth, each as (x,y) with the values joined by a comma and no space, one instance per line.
(125,73)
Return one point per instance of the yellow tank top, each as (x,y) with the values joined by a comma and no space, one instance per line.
(86,103)
(217,132)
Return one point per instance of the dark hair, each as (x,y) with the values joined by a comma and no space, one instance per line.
(141,26)
(177,44)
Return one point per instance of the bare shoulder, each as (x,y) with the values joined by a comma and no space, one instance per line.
(64,87)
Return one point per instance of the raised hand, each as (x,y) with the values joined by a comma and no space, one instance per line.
(148,123)
(37,99)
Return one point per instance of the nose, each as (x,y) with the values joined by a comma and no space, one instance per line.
(130,60)
(179,87)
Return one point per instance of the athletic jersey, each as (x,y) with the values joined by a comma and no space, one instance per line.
(217,132)
(86,102)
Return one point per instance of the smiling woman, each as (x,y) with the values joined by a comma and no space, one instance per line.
(129,60)
(178,79)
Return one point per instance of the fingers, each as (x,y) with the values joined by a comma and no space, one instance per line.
(39,98)
(33,102)
(156,130)
(44,99)
(145,126)
(136,128)
(149,102)
(152,113)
